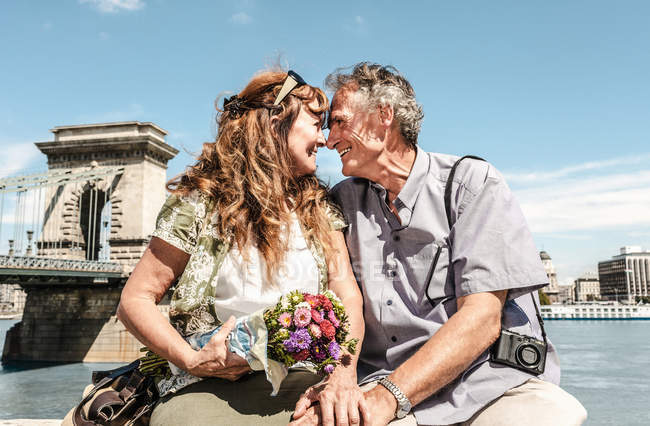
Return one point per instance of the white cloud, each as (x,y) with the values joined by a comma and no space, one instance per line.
(241,18)
(545,176)
(588,203)
(19,157)
(114,6)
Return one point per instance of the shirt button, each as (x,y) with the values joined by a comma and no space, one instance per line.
(389,302)
(394,339)
(395,237)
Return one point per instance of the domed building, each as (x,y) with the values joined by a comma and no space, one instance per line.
(552,290)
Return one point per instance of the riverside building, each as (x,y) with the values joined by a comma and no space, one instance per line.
(587,288)
(552,290)
(626,275)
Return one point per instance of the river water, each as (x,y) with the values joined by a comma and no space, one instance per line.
(605,364)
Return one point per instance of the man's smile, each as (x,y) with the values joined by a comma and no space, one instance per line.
(345,151)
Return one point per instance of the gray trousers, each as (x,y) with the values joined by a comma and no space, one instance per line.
(244,402)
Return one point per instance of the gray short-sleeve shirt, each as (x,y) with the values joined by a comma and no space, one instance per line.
(412,270)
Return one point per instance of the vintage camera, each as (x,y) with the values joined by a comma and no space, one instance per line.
(521,352)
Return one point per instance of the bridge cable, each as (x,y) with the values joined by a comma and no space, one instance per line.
(38,230)
(16,220)
(80,231)
(104,227)
(34,210)
(2,209)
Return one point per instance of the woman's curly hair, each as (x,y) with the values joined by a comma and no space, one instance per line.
(247,171)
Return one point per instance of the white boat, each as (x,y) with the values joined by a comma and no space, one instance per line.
(596,311)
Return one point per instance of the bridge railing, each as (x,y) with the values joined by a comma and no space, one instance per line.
(46,263)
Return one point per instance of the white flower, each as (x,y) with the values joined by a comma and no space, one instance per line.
(330,294)
(303,305)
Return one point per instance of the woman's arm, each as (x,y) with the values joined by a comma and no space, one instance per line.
(340,397)
(159,267)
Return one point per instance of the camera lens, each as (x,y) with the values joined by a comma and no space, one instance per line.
(528,355)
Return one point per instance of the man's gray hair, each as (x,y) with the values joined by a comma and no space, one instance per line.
(383,85)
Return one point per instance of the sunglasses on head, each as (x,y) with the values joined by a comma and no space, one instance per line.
(292,81)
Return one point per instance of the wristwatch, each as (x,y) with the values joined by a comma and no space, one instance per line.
(403,403)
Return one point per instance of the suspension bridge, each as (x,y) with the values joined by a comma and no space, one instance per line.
(73,233)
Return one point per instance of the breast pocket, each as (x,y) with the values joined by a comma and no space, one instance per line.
(438,285)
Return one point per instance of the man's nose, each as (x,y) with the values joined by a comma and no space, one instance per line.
(332,139)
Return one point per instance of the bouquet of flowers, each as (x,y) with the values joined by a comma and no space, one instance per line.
(302,329)
(310,329)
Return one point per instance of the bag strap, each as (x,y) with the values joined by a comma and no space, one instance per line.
(78,417)
(450,180)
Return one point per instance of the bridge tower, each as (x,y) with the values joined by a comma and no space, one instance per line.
(95,209)
(124,207)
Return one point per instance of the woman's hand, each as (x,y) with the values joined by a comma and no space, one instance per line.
(215,360)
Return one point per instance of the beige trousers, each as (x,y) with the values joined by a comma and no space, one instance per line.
(534,403)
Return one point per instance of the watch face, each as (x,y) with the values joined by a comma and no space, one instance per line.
(403,411)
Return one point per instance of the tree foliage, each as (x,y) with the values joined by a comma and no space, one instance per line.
(543,298)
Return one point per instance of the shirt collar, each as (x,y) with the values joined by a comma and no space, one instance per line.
(411,189)
(405,200)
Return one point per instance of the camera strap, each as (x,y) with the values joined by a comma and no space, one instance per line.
(450,180)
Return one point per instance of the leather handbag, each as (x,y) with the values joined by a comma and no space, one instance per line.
(123,396)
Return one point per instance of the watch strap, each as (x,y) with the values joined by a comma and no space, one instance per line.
(403,403)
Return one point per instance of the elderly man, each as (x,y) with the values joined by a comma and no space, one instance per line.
(439,286)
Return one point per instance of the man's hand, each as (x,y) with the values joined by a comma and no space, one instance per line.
(340,402)
(215,360)
(383,405)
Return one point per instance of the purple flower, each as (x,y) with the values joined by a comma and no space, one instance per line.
(298,340)
(329,368)
(334,349)
(319,352)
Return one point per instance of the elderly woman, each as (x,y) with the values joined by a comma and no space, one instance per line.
(244,225)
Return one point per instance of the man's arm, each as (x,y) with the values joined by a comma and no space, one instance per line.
(449,352)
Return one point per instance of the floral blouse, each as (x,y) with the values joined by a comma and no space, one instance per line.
(185,222)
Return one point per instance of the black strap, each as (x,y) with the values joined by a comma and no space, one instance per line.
(450,180)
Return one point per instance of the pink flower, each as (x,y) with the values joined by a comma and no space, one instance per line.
(316,316)
(328,329)
(312,300)
(302,317)
(315,331)
(285,319)
(335,321)
(325,302)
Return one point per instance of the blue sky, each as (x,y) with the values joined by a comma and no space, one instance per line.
(555,94)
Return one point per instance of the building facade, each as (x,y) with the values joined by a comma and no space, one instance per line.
(552,290)
(566,293)
(626,275)
(587,288)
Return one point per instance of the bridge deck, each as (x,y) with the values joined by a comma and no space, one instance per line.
(43,266)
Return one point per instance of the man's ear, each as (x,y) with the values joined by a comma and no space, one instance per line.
(386,115)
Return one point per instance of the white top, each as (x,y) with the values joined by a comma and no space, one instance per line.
(242,287)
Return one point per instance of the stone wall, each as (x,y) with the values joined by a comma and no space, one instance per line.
(71,324)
